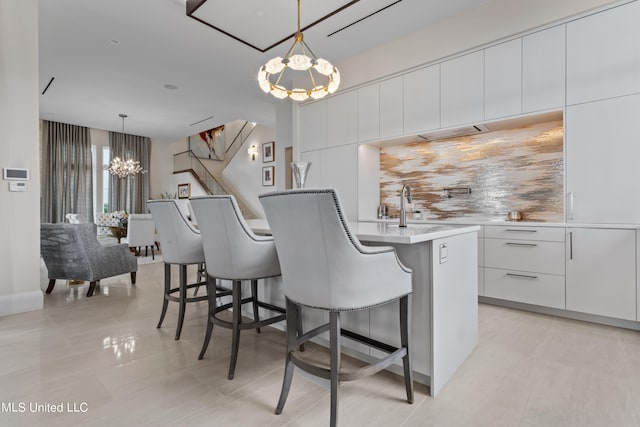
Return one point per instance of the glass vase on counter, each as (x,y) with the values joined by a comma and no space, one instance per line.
(300,171)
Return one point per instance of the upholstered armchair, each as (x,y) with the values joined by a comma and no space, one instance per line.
(72,252)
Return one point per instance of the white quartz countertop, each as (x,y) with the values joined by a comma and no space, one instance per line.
(389,233)
(485,221)
(413,233)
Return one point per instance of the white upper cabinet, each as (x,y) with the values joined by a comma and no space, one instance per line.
(503,80)
(369,112)
(602,151)
(313,126)
(391,109)
(462,90)
(543,69)
(342,116)
(339,169)
(603,54)
(422,100)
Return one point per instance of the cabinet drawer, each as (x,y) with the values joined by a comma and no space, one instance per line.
(525,255)
(540,289)
(551,234)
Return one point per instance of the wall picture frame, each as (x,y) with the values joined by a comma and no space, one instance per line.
(268,179)
(267,152)
(208,144)
(184,191)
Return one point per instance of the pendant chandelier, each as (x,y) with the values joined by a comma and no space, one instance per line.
(124,168)
(324,77)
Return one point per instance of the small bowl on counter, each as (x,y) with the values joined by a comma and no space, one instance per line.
(515,216)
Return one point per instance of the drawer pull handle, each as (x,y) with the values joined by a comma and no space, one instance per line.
(571,245)
(522,231)
(522,276)
(529,245)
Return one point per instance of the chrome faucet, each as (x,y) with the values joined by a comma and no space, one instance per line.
(406,192)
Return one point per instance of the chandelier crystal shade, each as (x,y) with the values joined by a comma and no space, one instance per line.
(124,168)
(324,78)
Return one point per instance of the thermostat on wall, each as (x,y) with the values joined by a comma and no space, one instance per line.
(17,174)
(17,186)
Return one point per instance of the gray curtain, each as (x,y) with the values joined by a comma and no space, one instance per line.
(66,172)
(130,194)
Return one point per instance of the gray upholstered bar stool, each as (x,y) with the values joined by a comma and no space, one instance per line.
(181,245)
(324,266)
(233,252)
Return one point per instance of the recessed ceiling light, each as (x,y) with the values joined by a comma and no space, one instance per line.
(170,86)
(114,42)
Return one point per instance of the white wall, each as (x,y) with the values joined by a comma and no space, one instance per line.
(245,175)
(487,23)
(162,178)
(19,147)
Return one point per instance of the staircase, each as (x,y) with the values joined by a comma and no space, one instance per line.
(210,175)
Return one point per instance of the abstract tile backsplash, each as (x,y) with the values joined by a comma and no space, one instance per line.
(511,170)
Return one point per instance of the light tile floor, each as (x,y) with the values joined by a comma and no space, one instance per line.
(528,370)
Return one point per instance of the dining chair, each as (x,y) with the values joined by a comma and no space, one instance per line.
(324,266)
(233,252)
(141,233)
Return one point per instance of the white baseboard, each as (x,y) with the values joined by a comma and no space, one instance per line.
(20,302)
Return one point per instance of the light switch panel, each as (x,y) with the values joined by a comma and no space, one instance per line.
(443,253)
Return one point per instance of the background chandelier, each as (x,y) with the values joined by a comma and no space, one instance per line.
(324,77)
(124,168)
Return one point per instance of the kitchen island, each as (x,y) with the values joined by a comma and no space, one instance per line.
(444,261)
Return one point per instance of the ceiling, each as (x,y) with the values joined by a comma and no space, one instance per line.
(174,76)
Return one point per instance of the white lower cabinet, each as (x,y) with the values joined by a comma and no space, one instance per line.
(522,286)
(601,272)
(525,264)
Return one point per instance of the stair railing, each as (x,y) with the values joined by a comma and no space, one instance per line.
(188,162)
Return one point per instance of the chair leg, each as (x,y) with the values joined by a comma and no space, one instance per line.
(405,341)
(153,256)
(298,316)
(92,288)
(254,295)
(183,299)
(133,277)
(292,338)
(237,319)
(334,349)
(211,297)
(201,274)
(52,283)
(167,287)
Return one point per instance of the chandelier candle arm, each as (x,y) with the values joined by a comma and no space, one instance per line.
(299,62)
